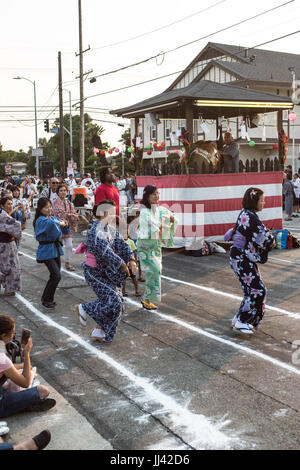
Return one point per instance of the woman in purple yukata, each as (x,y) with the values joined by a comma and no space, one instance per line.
(252,242)
(105,270)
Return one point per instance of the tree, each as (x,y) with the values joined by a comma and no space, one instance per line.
(51,147)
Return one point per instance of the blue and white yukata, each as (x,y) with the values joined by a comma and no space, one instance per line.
(251,244)
(110,251)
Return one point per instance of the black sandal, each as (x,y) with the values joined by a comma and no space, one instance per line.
(42,439)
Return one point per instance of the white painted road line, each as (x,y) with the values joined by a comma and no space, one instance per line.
(200,331)
(294,315)
(198,428)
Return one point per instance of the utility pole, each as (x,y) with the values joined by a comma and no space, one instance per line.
(61,120)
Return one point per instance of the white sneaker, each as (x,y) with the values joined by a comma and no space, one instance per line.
(4,429)
(243,328)
(233,321)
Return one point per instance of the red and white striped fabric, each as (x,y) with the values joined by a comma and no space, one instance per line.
(208,205)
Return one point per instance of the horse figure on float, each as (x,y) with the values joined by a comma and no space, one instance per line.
(200,155)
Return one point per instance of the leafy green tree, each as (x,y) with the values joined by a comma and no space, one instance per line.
(51,147)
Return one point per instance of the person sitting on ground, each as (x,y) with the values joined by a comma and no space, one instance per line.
(38,442)
(31,399)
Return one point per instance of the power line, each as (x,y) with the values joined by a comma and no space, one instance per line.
(180,71)
(160,28)
(195,40)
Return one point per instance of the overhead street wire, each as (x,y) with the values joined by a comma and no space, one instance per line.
(180,71)
(123,41)
(195,40)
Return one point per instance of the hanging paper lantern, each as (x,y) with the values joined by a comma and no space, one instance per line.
(275,146)
(176,151)
(163,144)
(117,150)
(160,148)
(292,117)
(168,152)
(155,145)
(129,150)
(251,143)
(102,152)
(110,152)
(95,151)
(149,152)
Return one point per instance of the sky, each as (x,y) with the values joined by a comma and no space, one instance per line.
(34,31)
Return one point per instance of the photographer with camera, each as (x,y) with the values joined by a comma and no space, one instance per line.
(30,399)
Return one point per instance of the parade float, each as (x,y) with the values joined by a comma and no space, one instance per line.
(206,200)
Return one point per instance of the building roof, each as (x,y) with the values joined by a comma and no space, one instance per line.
(271,66)
(203,90)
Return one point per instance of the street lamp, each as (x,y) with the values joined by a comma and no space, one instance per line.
(35,119)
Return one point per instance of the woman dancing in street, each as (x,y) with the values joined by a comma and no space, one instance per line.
(48,232)
(252,242)
(157,226)
(10,236)
(105,270)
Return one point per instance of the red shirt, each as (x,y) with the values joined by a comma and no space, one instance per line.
(104,191)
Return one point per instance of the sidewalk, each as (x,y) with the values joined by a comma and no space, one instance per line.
(69,429)
(293,226)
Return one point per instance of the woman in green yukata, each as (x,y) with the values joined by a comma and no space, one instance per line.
(157,226)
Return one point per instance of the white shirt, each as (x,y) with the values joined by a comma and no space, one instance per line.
(297,187)
(71,185)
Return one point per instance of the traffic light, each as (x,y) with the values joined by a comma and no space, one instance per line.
(46,125)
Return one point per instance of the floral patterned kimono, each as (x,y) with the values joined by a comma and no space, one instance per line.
(64,210)
(149,247)
(106,280)
(251,244)
(10,236)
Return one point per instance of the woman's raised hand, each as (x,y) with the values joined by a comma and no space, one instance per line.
(27,347)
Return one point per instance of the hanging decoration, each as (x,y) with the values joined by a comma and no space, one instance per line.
(251,143)
(95,151)
(130,150)
(117,150)
(149,152)
(292,117)
(283,148)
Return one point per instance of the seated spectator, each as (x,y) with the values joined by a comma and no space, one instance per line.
(30,399)
(38,442)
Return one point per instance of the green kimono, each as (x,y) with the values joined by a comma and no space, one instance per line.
(155,230)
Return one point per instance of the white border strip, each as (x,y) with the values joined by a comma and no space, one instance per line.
(211,192)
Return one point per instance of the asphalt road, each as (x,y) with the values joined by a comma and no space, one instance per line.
(178,378)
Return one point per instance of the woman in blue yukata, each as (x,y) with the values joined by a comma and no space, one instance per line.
(105,270)
(48,232)
(252,242)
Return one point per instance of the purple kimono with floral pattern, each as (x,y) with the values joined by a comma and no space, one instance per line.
(257,244)
(10,271)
